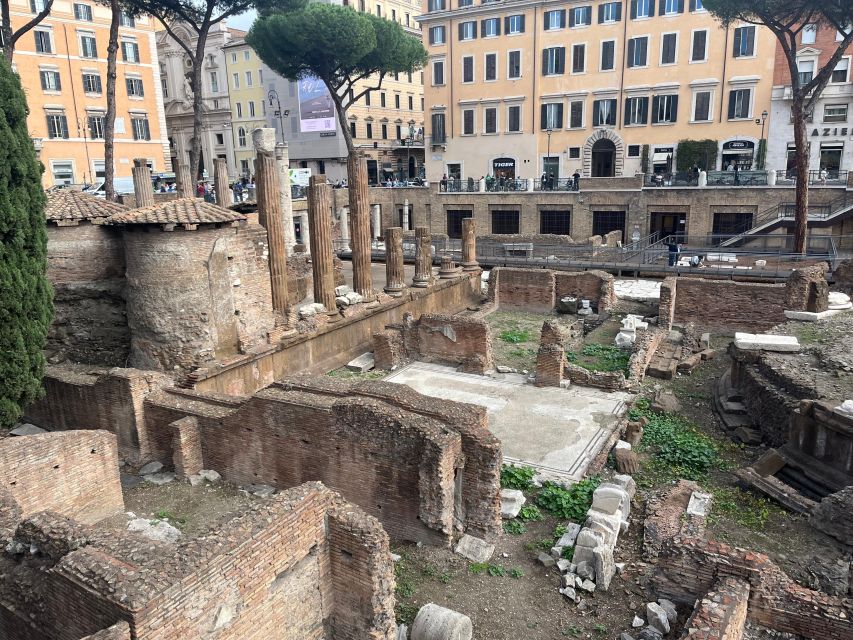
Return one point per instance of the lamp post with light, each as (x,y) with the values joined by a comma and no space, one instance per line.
(548,131)
(272,96)
(761,121)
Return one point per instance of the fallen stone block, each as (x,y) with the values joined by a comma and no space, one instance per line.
(747,435)
(363,363)
(666,402)
(705,341)
(27,429)
(627,483)
(708,354)
(585,570)
(637,622)
(622,444)
(354,298)
(611,499)
(151,467)
(700,504)
(625,636)
(159,530)
(546,560)
(634,433)
(669,607)
(565,566)
(511,502)
(259,490)
(475,549)
(649,633)
(570,593)
(605,568)
(342,302)
(568,580)
(689,363)
(342,290)
(588,586)
(627,461)
(164,477)
(657,618)
(210,475)
(437,623)
(570,536)
(556,552)
(606,526)
(767,342)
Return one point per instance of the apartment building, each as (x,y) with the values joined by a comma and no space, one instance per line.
(387,125)
(62,64)
(830,128)
(521,87)
(248,101)
(217,140)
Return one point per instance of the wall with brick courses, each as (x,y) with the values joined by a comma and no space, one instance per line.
(720,614)
(595,286)
(643,351)
(666,306)
(118,631)
(689,567)
(73,473)
(807,289)
(550,362)
(186,447)
(336,343)
(111,400)
(399,466)
(196,296)
(729,306)
(523,289)
(85,265)
(388,349)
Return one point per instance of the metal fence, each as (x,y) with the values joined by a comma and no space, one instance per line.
(676,179)
(817,177)
(737,179)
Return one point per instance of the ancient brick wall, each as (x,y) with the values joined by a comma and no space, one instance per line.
(666,306)
(399,466)
(721,613)
(689,567)
(388,349)
(85,265)
(215,305)
(522,289)
(595,286)
(842,276)
(643,351)
(612,380)
(550,361)
(111,400)
(729,306)
(807,289)
(74,473)
(295,566)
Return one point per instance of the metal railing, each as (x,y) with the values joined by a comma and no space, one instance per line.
(556,184)
(817,177)
(506,184)
(676,179)
(462,186)
(737,179)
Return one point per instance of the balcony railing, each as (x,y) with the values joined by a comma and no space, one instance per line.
(816,177)
(737,178)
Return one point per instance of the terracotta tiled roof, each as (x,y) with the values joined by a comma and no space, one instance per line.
(68,205)
(181,211)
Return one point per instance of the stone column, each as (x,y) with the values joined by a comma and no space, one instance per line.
(406,214)
(266,176)
(376,215)
(306,234)
(447,269)
(394,276)
(319,202)
(142,187)
(282,159)
(469,246)
(263,140)
(359,206)
(345,228)
(186,189)
(423,258)
(220,182)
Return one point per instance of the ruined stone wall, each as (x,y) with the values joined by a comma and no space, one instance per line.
(522,289)
(298,566)
(842,276)
(729,306)
(689,567)
(826,438)
(643,351)
(399,466)
(807,289)
(612,380)
(196,296)
(85,265)
(595,286)
(721,613)
(111,400)
(666,306)
(74,473)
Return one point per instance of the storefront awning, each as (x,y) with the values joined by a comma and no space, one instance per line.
(659,158)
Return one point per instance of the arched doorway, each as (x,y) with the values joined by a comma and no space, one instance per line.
(603,158)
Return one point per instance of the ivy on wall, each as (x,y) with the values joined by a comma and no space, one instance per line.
(702,153)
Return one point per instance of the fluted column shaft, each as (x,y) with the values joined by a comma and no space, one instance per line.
(394,276)
(423,258)
(220,182)
(282,158)
(266,176)
(186,189)
(320,225)
(359,207)
(143,190)
(469,245)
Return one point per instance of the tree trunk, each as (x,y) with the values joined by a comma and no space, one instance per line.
(801,214)
(6,31)
(109,120)
(195,148)
(342,120)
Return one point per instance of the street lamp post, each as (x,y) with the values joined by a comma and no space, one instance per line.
(761,121)
(547,157)
(272,96)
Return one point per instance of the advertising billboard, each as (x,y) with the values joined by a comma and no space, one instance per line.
(316,109)
(299,177)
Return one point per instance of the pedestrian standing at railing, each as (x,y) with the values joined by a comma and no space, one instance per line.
(444,182)
(543,181)
(576,178)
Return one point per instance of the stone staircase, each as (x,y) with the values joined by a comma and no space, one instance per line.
(729,406)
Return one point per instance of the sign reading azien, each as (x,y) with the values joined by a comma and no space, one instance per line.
(316,109)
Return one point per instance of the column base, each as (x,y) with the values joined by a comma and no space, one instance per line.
(470,266)
(420,284)
(449,275)
(395,291)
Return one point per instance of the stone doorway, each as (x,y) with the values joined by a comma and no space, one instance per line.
(603,159)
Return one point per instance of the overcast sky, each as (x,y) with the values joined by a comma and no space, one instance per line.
(243,21)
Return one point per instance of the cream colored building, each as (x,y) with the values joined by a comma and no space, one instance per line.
(248,99)
(62,63)
(525,86)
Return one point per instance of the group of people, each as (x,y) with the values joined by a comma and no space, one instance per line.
(244,188)
(697,261)
(549,182)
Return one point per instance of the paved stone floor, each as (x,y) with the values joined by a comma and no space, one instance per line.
(637,289)
(558,431)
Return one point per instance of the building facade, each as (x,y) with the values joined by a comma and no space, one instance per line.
(387,124)
(62,64)
(829,127)
(217,140)
(248,101)
(607,88)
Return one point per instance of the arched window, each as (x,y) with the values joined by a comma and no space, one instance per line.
(241,137)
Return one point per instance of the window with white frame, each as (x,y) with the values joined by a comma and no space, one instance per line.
(580,17)
(552,115)
(435,5)
(743,44)
(699,46)
(437,72)
(579,58)
(96,127)
(127,21)
(642,9)
(91,82)
(576,114)
(249,80)
(88,46)
(490,120)
(241,137)
(467,69)
(668,48)
(235,80)
(809,34)
(609,12)
(239,109)
(467,122)
(261,76)
(44,42)
(608,55)
(129,51)
(697,5)
(805,71)
(514,24)
(555,19)
(63,171)
(439,131)
(739,104)
(139,124)
(37,6)
(247,55)
(82,12)
(637,110)
(553,61)
(835,113)
(513,70)
(513,118)
(672,7)
(841,71)
(134,87)
(604,112)
(638,52)
(664,109)
(467,30)
(437,34)
(702,106)
(50,80)
(491,27)
(490,71)
(214,82)
(251,108)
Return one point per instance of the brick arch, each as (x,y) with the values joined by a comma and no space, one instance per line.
(616,139)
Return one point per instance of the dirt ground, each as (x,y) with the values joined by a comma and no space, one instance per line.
(504,607)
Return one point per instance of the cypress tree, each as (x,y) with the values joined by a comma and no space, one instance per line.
(25,294)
